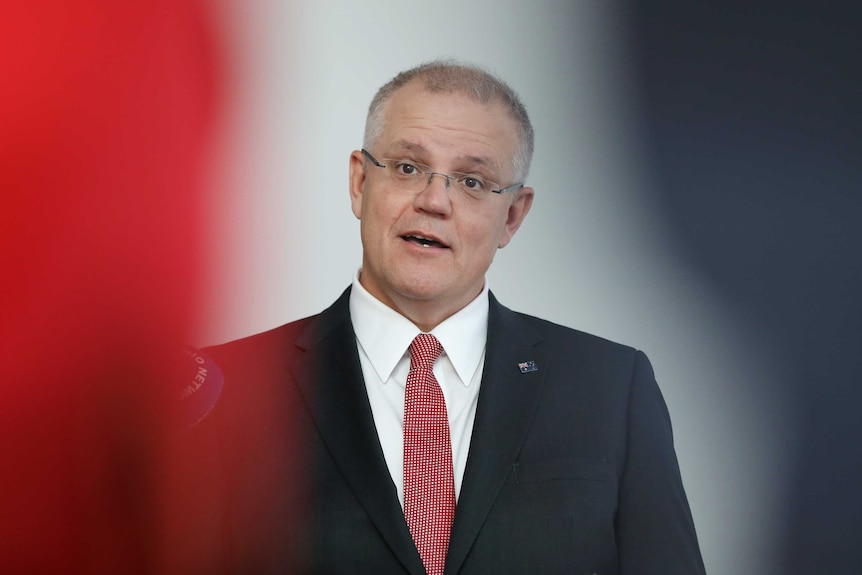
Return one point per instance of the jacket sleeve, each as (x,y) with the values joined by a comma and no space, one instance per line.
(654,527)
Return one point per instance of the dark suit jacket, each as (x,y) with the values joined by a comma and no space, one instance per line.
(571,467)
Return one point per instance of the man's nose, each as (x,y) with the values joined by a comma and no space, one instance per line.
(447,180)
(435,197)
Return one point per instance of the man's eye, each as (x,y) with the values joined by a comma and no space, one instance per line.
(472,183)
(406,169)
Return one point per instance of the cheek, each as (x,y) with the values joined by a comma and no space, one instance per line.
(482,237)
(378,218)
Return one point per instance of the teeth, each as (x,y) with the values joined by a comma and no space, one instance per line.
(423,241)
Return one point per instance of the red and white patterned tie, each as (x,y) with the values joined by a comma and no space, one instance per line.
(429,485)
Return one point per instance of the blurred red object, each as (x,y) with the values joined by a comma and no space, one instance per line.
(105,114)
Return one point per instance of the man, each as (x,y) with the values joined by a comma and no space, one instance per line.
(354,444)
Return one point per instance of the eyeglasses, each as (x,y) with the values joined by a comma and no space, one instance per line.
(414,177)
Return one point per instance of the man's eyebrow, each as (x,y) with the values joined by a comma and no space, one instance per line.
(481,161)
(467,160)
(409,146)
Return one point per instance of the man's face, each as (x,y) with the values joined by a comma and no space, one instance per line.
(450,133)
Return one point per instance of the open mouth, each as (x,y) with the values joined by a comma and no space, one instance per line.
(423,241)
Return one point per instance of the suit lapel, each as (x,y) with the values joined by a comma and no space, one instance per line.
(330,379)
(507,403)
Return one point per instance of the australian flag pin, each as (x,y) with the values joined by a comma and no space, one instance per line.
(527,366)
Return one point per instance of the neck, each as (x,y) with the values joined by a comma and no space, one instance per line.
(424,314)
(425,320)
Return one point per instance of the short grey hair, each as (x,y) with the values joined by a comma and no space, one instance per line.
(468,79)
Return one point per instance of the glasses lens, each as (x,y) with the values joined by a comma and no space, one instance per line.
(412,177)
(473,186)
(406,175)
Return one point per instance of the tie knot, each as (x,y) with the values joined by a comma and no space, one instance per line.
(425,350)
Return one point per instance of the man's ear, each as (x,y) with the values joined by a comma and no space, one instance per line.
(518,210)
(357,182)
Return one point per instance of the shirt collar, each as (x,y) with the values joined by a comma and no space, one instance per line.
(385,334)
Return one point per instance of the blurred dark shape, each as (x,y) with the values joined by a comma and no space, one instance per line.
(105,113)
(753,114)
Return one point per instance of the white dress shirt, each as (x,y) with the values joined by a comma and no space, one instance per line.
(383,337)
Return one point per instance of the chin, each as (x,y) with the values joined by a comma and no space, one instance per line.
(419,285)
(419,292)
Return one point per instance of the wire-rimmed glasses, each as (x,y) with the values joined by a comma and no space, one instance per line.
(415,177)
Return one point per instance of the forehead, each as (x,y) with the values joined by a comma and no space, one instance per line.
(446,126)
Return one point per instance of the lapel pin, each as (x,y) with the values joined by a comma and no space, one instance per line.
(528,366)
